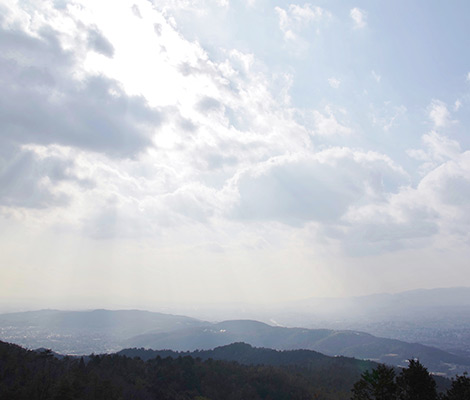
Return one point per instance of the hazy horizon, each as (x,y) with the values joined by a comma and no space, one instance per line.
(209,309)
(155,153)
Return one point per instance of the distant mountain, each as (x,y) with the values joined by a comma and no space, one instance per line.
(330,342)
(435,317)
(103,331)
(85,332)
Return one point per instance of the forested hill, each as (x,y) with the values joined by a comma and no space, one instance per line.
(246,354)
(325,371)
(41,375)
(347,343)
(31,375)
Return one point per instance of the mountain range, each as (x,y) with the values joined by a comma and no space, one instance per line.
(330,342)
(104,331)
(437,317)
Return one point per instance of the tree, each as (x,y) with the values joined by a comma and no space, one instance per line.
(460,389)
(415,383)
(379,384)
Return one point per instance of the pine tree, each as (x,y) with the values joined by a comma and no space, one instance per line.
(379,384)
(460,389)
(415,383)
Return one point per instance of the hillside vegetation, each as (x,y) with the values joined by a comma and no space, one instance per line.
(30,375)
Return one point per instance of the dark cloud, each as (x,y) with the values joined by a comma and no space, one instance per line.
(187,125)
(22,179)
(41,102)
(294,194)
(209,104)
(217,160)
(99,43)
(300,191)
(187,69)
(60,4)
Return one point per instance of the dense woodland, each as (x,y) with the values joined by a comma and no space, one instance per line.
(412,383)
(32,375)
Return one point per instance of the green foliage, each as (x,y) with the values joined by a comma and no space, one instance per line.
(378,384)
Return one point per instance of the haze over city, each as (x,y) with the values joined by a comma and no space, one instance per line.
(163,152)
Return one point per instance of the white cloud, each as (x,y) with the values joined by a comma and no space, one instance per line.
(439,114)
(434,210)
(296,18)
(457,105)
(151,149)
(326,124)
(334,83)
(468,77)
(321,187)
(359,18)
(438,149)
(219,117)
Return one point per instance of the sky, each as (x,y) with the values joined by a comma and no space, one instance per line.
(213,151)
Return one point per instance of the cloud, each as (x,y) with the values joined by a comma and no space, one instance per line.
(400,223)
(359,18)
(28,180)
(326,124)
(439,114)
(232,149)
(435,208)
(42,102)
(438,148)
(334,83)
(296,18)
(136,11)
(295,190)
(219,117)
(99,43)
(209,104)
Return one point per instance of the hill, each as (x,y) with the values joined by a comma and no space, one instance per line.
(330,342)
(33,376)
(324,371)
(437,317)
(104,331)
